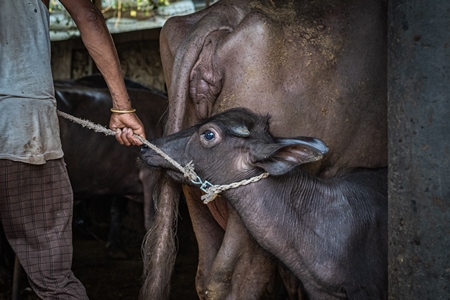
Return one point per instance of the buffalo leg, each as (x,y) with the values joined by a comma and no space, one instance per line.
(114,244)
(241,269)
(294,288)
(209,237)
(231,264)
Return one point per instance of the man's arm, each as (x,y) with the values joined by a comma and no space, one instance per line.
(99,43)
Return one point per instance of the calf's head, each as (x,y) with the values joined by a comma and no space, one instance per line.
(232,146)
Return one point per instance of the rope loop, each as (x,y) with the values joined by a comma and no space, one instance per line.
(213,191)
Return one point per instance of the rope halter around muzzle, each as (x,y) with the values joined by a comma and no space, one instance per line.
(211,190)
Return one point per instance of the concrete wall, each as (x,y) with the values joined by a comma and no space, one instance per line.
(138,53)
(419,149)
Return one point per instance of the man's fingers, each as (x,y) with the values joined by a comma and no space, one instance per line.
(125,137)
(131,138)
(121,137)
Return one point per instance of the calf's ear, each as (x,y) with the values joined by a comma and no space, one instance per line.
(284,155)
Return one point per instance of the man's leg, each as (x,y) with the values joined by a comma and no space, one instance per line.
(36,203)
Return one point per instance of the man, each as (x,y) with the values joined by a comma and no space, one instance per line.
(35,192)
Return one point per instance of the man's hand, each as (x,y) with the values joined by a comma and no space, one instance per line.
(125,125)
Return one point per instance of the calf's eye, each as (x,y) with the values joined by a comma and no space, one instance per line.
(208,135)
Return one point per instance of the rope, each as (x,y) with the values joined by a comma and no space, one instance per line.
(188,171)
(214,190)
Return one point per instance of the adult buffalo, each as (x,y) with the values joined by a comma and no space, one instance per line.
(316,66)
(98,166)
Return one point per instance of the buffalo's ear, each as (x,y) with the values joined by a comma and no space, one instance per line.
(285,154)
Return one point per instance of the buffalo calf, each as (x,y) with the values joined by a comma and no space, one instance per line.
(331,233)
